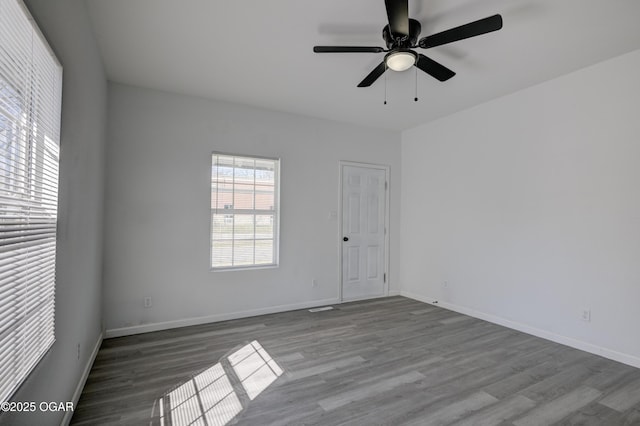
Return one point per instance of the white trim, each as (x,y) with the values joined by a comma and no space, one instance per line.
(387,210)
(83,379)
(564,340)
(420,298)
(359,299)
(393,293)
(166,325)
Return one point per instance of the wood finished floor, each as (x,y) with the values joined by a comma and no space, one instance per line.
(390,361)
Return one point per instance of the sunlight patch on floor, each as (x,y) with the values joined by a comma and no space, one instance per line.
(214,397)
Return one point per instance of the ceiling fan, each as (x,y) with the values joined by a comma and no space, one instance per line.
(401,36)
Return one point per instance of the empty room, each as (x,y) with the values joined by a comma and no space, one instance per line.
(365,212)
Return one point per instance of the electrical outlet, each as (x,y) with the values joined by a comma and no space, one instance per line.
(314,283)
(445,283)
(147,302)
(586,315)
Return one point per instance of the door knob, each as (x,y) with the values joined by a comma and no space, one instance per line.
(345,239)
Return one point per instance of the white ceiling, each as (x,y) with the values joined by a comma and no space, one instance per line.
(259,52)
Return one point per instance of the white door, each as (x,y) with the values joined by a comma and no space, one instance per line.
(363,232)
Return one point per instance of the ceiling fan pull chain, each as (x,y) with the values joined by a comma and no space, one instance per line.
(385,83)
(416,98)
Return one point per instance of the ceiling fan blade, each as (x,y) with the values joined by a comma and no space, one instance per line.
(373,75)
(347,49)
(433,68)
(398,14)
(472,29)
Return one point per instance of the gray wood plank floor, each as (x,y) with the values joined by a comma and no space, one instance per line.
(390,361)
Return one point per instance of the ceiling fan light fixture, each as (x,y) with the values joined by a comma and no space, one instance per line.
(400,60)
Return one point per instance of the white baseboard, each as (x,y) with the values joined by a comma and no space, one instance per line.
(564,340)
(394,293)
(158,326)
(83,379)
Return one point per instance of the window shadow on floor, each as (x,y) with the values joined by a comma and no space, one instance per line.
(218,394)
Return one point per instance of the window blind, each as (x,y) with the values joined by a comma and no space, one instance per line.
(244,211)
(30,102)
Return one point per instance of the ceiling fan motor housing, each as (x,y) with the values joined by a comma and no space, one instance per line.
(400,40)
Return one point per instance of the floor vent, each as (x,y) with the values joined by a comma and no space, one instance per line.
(324,308)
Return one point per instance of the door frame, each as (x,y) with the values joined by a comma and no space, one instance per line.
(387,169)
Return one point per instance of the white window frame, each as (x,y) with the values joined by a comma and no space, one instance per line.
(30,105)
(229,211)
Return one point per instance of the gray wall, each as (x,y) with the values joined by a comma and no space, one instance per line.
(83,134)
(158,207)
(528,207)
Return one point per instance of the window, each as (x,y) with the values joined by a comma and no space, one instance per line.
(30,97)
(244,211)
